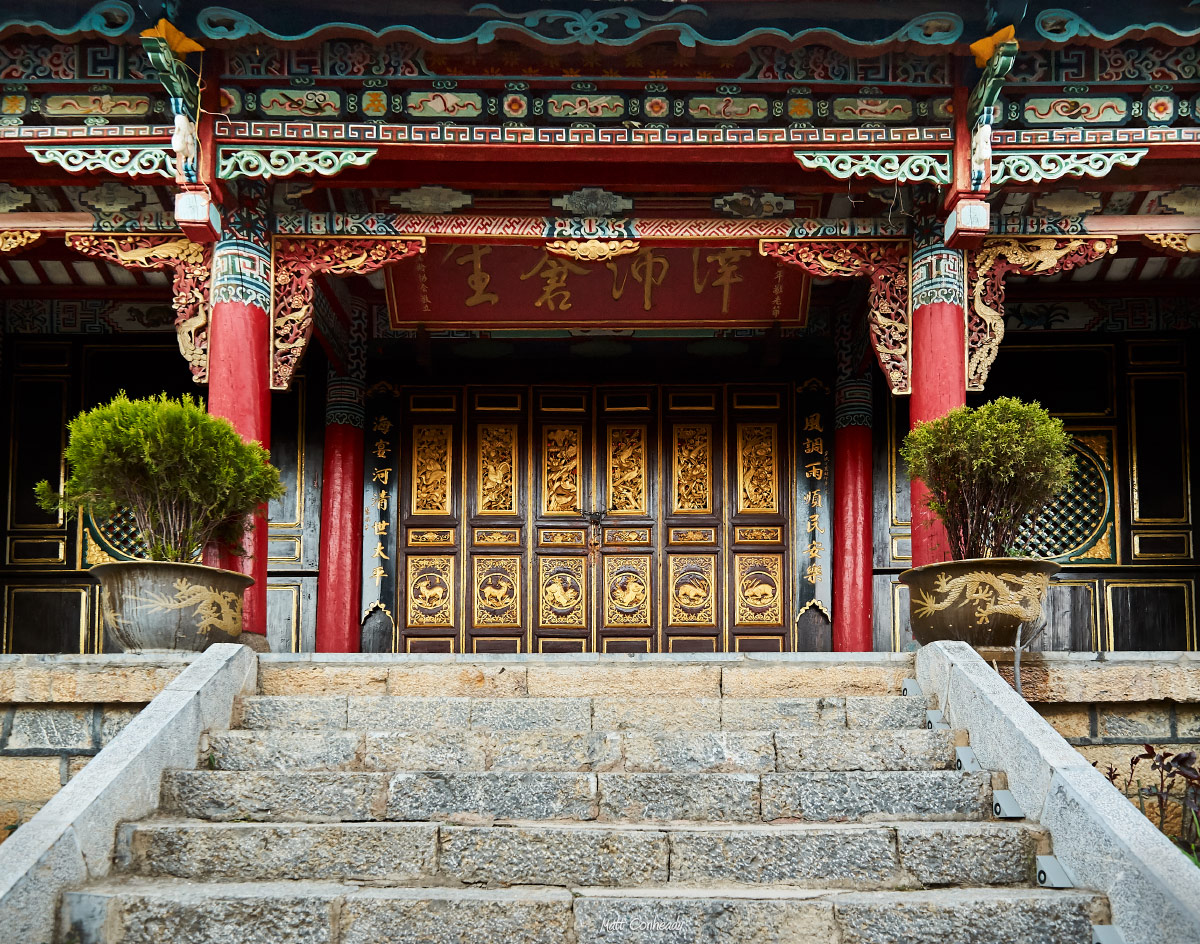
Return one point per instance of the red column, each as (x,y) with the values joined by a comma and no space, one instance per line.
(239,346)
(852,526)
(341,540)
(939,385)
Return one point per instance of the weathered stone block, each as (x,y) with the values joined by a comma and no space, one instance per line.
(969,853)
(688,752)
(423,750)
(478,681)
(704,919)
(294,711)
(114,719)
(1149,721)
(567,751)
(63,729)
(531,714)
(813,856)
(283,750)
(616,680)
(29,779)
(864,749)
(809,680)
(1071,721)
(867,795)
(239,852)
(395,713)
(656,714)
(781,714)
(965,916)
(511,855)
(885,712)
(483,797)
(322,679)
(703,797)
(259,796)
(456,916)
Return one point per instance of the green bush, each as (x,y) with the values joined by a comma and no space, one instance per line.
(987,469)
(189,479)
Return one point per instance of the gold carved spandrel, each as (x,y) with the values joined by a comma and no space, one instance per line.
(431,470)
(592,250)
(758,535)
(757,472)
(562,592)
(692,536)
(13,239)
(626,591)
(497,591)
(560,470)
(1183,244)
(691,469)
(692,581)
(430,536)
(759,583)
(627,470)
(497,469)
(510,537)
(430,591)
(573,537)
(626,535)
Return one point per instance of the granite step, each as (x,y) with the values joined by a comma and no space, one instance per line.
(602,713)
(150,911)
(668,752)
(816,796)
(883,855)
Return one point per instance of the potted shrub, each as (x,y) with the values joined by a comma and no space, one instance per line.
(990,470)
(191,482)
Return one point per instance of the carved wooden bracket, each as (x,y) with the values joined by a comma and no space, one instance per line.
(592,250)
(296,261)
(192,265)
(1013,255)
(885,264)
(13,239)
(1174,244)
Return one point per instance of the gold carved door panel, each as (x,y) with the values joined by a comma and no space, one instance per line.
(635,519)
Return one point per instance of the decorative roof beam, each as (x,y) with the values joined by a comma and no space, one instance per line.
(1037,166)
(900,166)
(124,161)
(268,163)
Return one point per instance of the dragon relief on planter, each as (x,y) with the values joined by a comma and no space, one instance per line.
(215,610)
(1018,595)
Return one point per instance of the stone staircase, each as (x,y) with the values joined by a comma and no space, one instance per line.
(594,817)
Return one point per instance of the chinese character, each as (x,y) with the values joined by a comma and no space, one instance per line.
(814,444)
(379,551)
(381,527)
(815,549)
(555,295)
(478,280)
(378,573)
(382,501)
(812,423)
(382,425)
(814,470)
(814,524)
(647,269)
(814,573)
(381,475)
(727,261)
(381,448)
(814,499)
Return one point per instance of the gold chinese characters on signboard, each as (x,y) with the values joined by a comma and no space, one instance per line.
(431,470)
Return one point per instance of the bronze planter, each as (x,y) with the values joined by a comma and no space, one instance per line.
(162,605)
(981,601)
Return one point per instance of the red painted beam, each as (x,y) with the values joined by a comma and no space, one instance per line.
(341,540)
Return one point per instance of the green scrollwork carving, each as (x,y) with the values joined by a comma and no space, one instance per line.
(901,166)
(266,163)
(1036,166)
(127,161)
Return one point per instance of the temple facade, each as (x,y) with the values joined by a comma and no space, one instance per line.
(597,327)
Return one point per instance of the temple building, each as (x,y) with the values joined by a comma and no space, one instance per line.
(597,327)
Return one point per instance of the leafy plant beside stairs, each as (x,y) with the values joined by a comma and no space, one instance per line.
(187,476)
(1178,786)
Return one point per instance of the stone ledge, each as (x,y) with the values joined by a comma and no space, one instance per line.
(1102,841)
(115,678)
(1088,677)
(71,839)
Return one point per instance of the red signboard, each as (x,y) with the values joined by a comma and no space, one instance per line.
(477,286)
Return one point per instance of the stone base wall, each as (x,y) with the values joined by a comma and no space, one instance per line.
(57,712)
